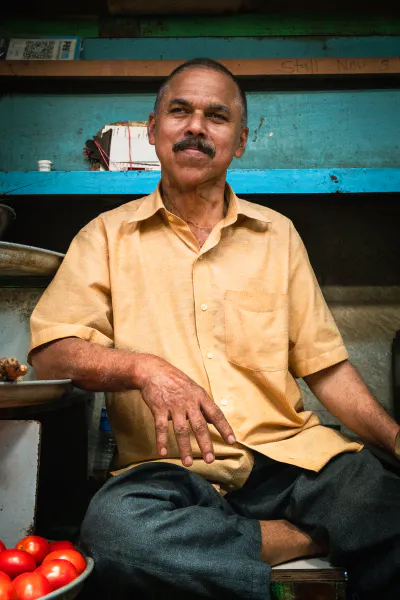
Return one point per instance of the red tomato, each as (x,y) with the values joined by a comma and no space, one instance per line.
(15,562)
(36,546)
(58,572)
(2,546)
(30,586)
(62,545)
(72,555)
(7,591)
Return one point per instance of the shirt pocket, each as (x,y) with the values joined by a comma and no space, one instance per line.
(256,329)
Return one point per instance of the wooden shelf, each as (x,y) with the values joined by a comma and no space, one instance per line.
(269,181)
(144,69)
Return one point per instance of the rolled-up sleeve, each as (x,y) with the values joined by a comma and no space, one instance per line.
(315,342)
(77,303)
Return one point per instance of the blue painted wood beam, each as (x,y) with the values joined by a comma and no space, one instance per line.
(243,47)
(269,181)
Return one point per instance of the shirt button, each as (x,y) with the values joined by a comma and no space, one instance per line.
(209,354)
(201,257)
(204,307)
(224,402)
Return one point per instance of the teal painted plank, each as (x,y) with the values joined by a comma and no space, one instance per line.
(273,181)
(288,129)
(267,47)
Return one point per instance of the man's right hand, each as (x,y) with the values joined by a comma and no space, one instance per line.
(170,394)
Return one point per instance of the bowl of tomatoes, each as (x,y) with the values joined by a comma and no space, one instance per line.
(36,568)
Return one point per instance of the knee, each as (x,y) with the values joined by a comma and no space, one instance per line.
(121,525)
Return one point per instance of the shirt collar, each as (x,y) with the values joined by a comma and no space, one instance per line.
(153,203)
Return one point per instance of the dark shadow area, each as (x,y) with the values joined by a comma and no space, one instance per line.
(352,239)
(135,85)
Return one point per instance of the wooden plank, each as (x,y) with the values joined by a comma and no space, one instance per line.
(260,67)
(308,575)
(248,181)
(308,590)
(308,569)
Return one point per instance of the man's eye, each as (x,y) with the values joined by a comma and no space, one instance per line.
(218,116)
(178,109)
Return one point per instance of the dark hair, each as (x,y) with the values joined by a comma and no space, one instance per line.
(204,63)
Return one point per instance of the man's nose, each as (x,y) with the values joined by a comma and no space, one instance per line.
(196,125)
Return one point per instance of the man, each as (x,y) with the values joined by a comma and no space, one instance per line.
(196,311)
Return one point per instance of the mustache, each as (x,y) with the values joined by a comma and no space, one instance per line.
(195,144)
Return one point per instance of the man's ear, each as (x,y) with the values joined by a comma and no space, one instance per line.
(151,129)
(244,134)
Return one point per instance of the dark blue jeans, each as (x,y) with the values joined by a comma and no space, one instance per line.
(159,531)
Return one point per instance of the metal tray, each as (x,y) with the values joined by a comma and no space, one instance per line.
(17,260)
(29,393)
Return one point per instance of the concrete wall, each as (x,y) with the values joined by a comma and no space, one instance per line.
(367,318)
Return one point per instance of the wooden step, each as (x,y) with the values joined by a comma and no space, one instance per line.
(308,579)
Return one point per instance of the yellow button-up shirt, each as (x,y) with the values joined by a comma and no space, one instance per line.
(243,316)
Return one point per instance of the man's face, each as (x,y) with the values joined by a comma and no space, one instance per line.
(197,129)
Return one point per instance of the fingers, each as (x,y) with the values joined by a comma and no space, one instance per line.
(161,424)
(216,417)
(182,434)
(202,434)
(195,420)
(190,408)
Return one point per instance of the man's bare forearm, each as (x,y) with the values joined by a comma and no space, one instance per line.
(342,391)
(90,366)
(166,390)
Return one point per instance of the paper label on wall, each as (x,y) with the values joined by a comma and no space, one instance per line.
(130,148)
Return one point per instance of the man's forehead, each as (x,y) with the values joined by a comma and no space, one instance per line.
(202,85)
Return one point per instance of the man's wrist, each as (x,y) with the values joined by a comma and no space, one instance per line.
(142,366)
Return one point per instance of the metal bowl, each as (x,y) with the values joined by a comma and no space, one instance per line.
(71,590)
(7,214)
(18,260)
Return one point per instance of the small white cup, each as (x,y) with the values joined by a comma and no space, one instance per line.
(44,165)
